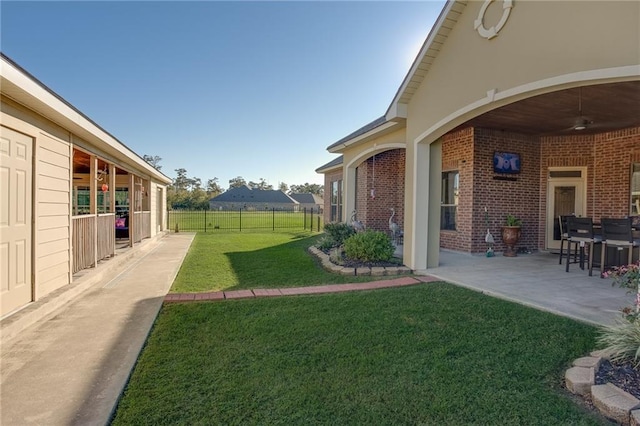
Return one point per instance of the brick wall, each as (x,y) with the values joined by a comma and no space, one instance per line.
(457,154)
(608,158)
(519,197)
(386,178)
(470,152)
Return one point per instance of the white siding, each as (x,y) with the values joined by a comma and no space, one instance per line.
(53,231)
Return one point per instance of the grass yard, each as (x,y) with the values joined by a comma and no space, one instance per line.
(430,354)
(249,260)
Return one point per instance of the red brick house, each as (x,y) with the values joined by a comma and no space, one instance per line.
(553,85)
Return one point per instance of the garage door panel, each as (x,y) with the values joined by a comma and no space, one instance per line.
(4,196)
(4,273)
(21,200)
(21,256)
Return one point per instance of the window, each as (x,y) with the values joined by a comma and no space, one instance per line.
(82,200)
(635,189)
(336,201)
(449,209)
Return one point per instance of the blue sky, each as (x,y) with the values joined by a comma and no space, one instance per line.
(223,89)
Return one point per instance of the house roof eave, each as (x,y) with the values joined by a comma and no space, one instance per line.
(375,129)
(334,164)
(444,24)
(22,87)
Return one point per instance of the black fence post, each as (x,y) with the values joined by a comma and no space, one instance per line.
(273,218)
(311,227)
(240,219)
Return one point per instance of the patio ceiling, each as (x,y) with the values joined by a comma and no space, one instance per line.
(82,161)
(605,107)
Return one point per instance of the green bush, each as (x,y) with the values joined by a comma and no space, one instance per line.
(339,232)
(369,246)
(622,341)
(326,243)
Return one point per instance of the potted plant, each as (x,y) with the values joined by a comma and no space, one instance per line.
(511,235)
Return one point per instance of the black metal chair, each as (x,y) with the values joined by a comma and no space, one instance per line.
(617,233)
(580,231)
(564,236)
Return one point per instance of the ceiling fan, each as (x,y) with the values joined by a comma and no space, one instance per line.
(582,122)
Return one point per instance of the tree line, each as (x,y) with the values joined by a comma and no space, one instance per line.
(189,193)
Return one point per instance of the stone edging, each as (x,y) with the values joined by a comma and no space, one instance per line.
(375,271)
(610,400)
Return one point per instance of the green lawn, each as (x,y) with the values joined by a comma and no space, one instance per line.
(220,221)
(245,260)
(431,354)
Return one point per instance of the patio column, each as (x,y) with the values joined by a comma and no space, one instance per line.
(132,182)
(422,206)
(434,202)
(349,196)
(93,205)
(112,200)
(112,188)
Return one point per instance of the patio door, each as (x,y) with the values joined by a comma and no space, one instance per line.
(565,196)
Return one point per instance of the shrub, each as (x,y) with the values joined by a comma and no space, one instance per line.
(326,243)
(339,232)
(369,246)
(622,341)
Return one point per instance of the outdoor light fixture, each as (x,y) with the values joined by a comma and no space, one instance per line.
(581,125)
(100,174)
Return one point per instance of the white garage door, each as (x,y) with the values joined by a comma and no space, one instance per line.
(15,219)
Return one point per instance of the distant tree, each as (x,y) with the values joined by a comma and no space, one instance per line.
(213,188)
(307,188)
(154,160)
(181,182)
(195,184)
(237,182)
(263,185)
(283,187)
(187,193)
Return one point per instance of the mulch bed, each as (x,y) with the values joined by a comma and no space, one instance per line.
(623,375)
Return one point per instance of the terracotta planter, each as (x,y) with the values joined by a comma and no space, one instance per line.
(510,237)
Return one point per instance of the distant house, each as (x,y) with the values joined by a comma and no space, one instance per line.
(253,199)
(309,201)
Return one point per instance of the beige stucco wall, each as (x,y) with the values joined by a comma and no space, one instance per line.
(541,40)
(544,47)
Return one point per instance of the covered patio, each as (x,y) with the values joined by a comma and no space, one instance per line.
(536,280)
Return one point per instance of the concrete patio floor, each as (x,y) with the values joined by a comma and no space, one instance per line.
(536,280)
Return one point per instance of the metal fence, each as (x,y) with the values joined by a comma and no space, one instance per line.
(244,219)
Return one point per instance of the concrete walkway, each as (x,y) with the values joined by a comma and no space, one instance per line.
(70,368)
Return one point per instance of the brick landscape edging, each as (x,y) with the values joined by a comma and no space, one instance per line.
(613,402)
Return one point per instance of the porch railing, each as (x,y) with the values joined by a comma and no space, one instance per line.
(141,225)
(106,235)
(93,239)
(83,244)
